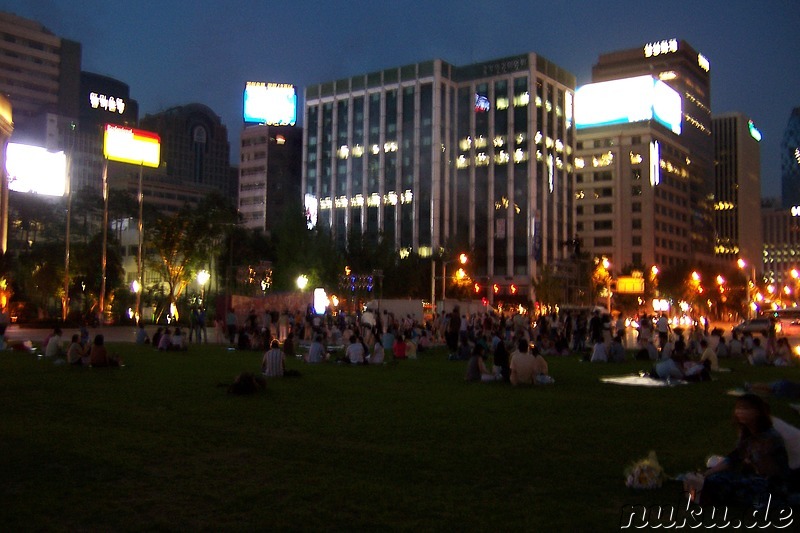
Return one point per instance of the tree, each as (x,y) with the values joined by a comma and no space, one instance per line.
(549,288)
(183,242)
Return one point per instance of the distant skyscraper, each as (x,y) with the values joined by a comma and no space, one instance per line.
(433,155)
(39,72)
(194,147)
(269,174)
(632,192)
(737,194)
(681,67)
(790,161)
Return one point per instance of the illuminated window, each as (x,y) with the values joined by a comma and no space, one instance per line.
(580,162)
(462,162)
(520,155)
(464,144)
(636,158)
(502,158)
(522,100)
(358,150)
(343,152)
(480,142)
(481,159)
(502,103)
(603,160)
(499,141)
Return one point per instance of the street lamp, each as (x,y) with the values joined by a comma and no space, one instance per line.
(136,289)
(751,284)
(462,258)
(302,282)
(202,278)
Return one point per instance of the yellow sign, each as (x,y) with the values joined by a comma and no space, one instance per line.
(132,146)
(630,285)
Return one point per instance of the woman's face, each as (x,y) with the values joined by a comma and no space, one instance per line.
(745,413)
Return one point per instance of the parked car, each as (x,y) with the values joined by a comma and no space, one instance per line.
(755,325)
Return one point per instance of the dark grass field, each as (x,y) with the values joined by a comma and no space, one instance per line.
(159,445)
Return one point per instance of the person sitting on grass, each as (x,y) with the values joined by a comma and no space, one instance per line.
(54,345)
(165,341)
(178,342)
(99,356)
(274,360)
(141,335)
(476,366)
(756,472)
(378,353)
(316,352)
(599,352)
(709,354)
(399,347)
(783,355)
(758,357)
(354,353)
(76,352)
(523,365)
(616,351)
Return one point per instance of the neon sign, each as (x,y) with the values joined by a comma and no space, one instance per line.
(111,104)
(667,46)
(754,132)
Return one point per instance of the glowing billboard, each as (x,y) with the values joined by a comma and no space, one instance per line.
(34,169)
(270,103)
(628,100)
(132,146)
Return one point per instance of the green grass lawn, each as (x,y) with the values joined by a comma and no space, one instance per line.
(158,445)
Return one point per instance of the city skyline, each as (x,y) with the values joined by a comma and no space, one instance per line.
(178,53)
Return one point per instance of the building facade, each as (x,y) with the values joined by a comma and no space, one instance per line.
(39,73)
(632,195)
(439,157)
(737,189)
(680,66)
(195,152)
(790,161)
(269,174)
(781,241)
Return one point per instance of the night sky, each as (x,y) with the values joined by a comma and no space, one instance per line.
(178,52)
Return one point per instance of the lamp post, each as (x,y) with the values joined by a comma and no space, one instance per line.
(302,282)
(607,265)
(202,278)
(462,258)
(751,285)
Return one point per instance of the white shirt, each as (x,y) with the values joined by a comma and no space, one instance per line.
(355,352)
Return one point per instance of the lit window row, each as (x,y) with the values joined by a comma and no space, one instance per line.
(602,160)
(504,203)
(344,151)
(373,200)
(696,123)
(673,169)
(482,159)
(724,206)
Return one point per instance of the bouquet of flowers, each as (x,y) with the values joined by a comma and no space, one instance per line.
(645,473)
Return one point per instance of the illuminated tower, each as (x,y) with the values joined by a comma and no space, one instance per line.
(737,194)
(790,161)
(432,155)
(681,67)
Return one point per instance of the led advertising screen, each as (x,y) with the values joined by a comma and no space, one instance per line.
(270,103)
(132,146)
(34,169)
(628,100)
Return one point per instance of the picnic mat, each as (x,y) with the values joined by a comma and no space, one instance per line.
(641,381)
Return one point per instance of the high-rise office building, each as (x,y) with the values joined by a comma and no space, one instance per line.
(269,174)
(781,229)
(632,177)
(680,66)
(437,156)
(195,152)
(790,161)
(39,72)
(737,194)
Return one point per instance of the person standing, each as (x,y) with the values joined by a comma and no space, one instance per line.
(230,322)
